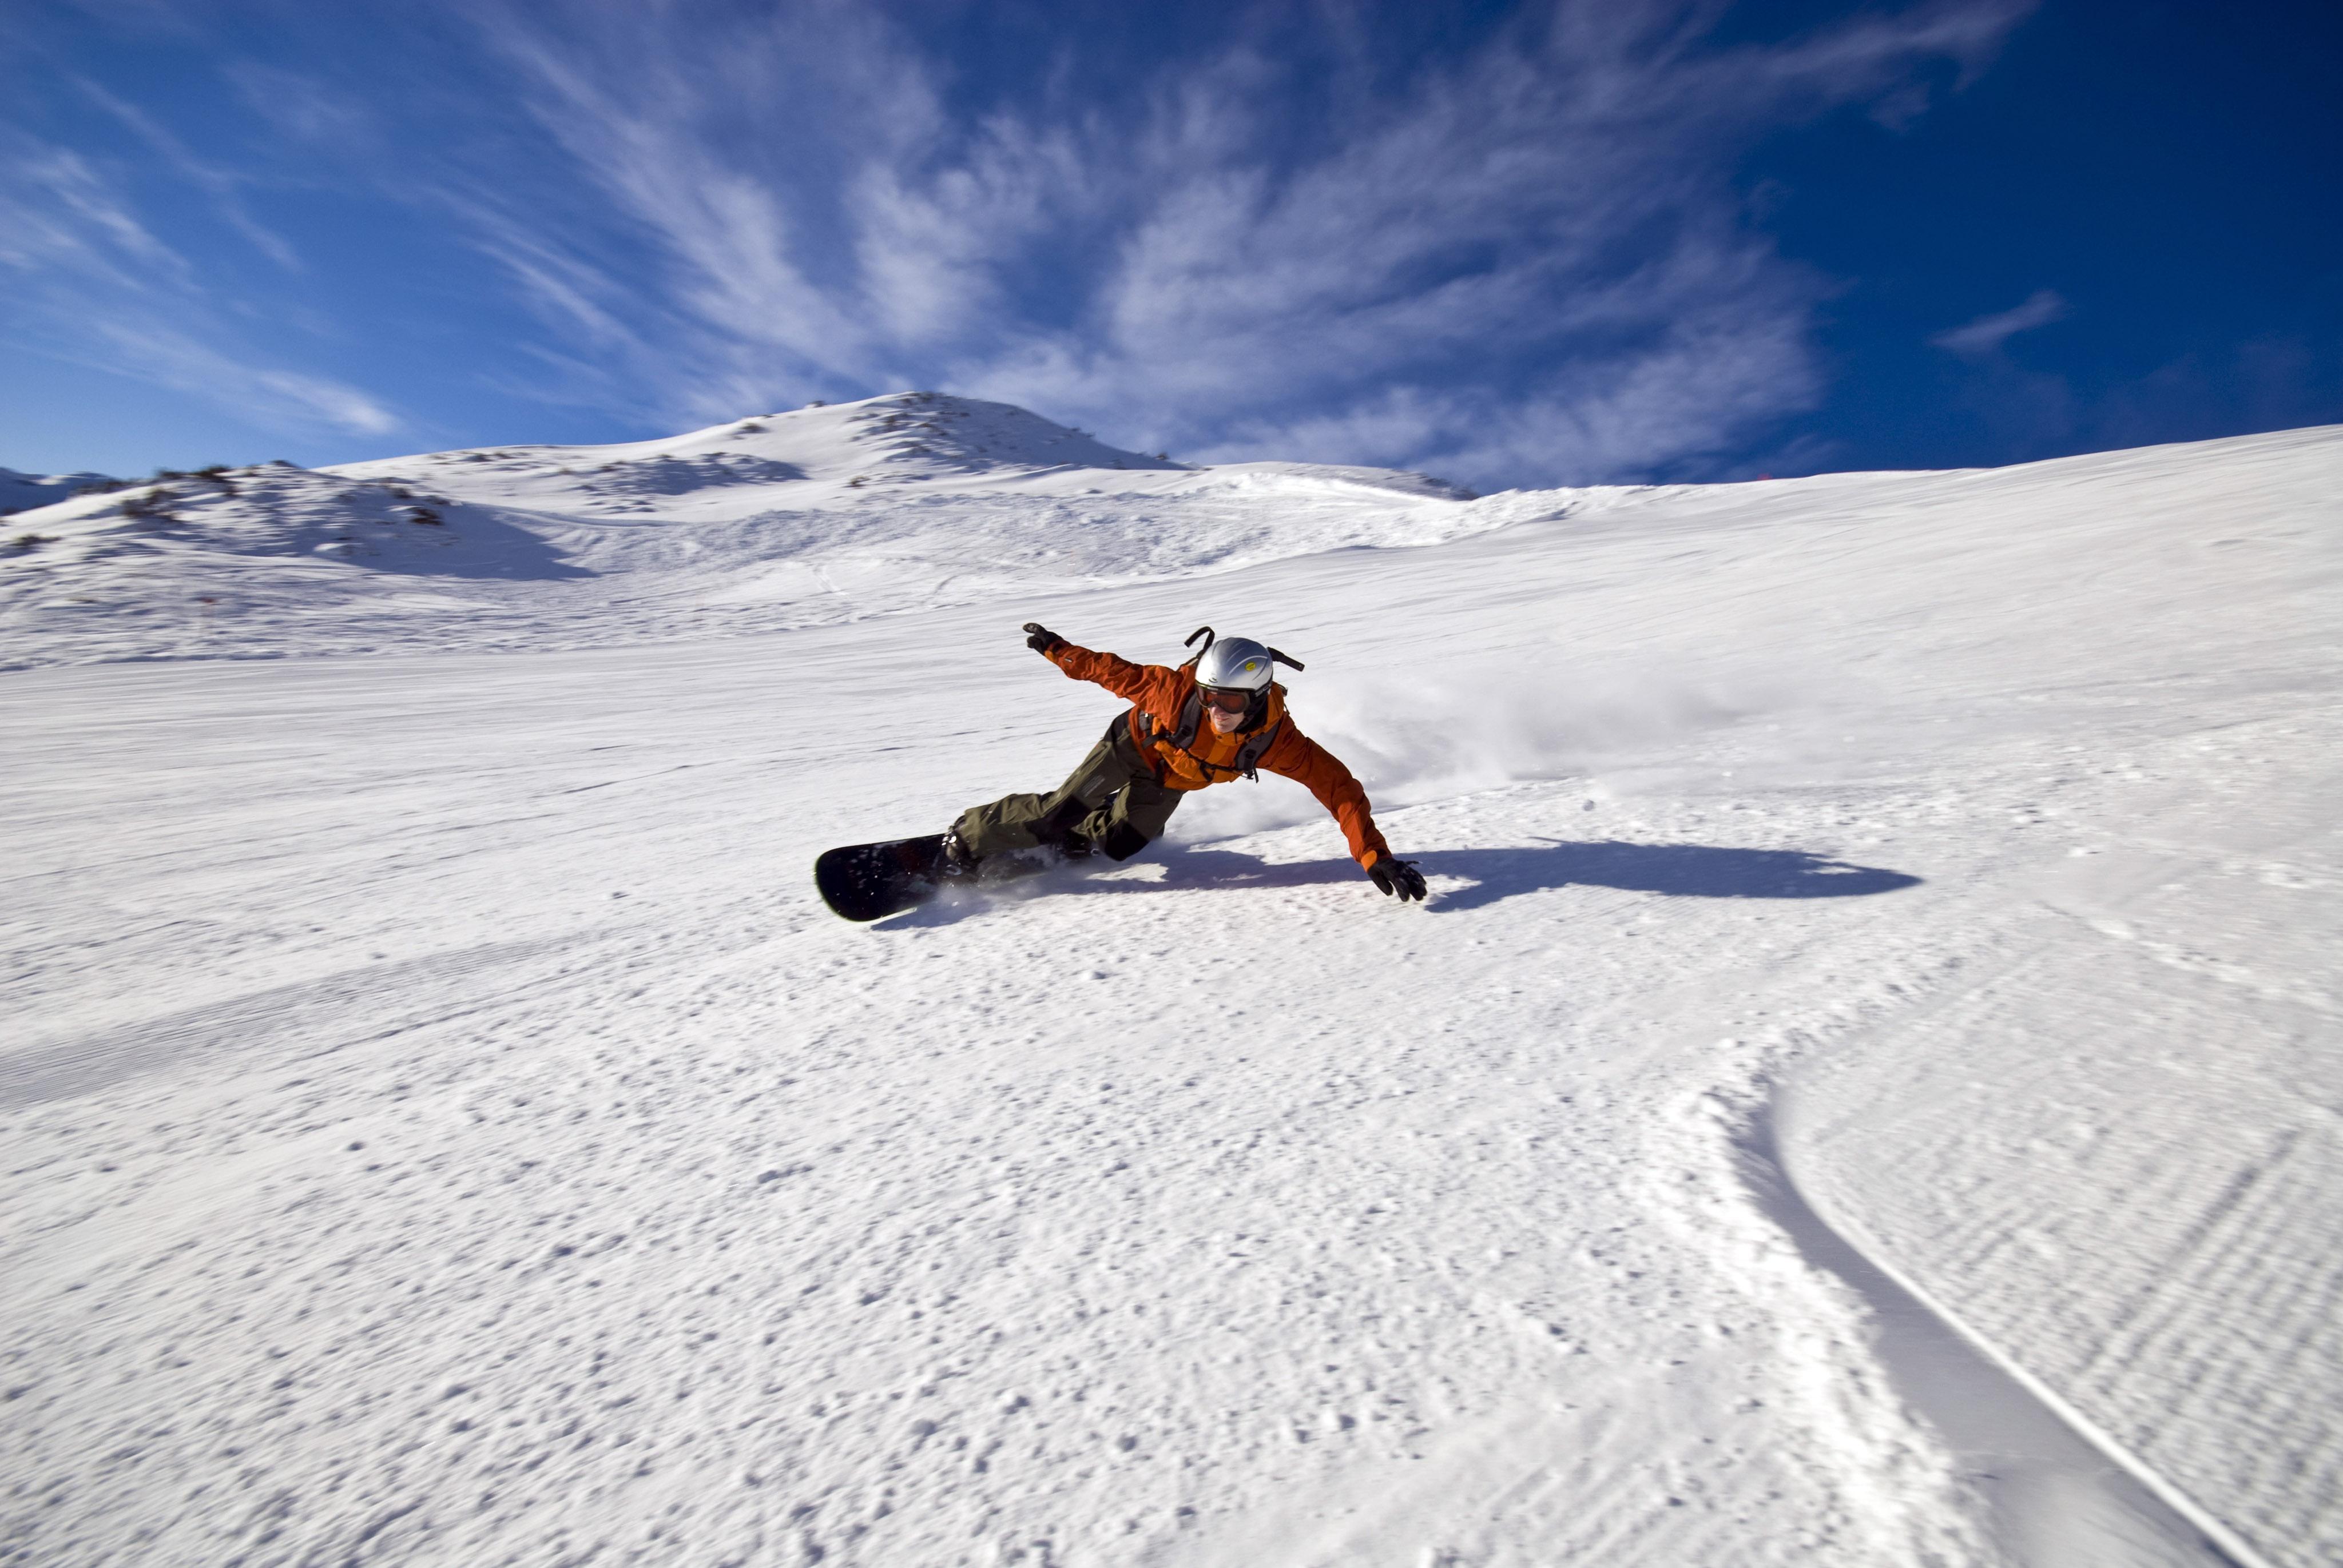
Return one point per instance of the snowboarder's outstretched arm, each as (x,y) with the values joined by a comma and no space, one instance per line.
(1319,770)
(1150,686)
(1297,757)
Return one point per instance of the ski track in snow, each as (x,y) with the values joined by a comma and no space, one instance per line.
(444,1127)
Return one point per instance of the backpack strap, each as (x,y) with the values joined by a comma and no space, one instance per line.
(1192,720)
(1257,746)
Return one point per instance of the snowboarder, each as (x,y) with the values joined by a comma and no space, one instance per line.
(1217,718)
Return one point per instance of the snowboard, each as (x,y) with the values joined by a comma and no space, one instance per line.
(871,881)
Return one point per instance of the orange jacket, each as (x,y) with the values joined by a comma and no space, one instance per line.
(1160,693)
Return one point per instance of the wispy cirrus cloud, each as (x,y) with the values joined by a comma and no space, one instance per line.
(222,185)
(1529,262)
(59,213)
(94,286)
(1323,232)
(1985,336)
(265,395)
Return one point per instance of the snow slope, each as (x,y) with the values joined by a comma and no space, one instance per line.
(444,1128)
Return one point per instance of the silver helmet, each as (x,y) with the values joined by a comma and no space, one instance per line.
(1235,664)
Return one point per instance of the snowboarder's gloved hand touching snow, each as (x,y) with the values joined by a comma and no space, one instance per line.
(1399,877)
(1043,640)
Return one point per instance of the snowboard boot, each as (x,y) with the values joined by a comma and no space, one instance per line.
(955,861)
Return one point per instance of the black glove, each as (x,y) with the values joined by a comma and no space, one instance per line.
(1399,877)
(1043,640)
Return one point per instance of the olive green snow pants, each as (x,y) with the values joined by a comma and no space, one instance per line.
(1113,800)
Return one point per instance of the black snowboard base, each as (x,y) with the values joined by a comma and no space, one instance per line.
(871,881)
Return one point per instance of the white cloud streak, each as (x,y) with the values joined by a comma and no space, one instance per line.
(94,286)
(1525,263)
(1984,337)
(1528,265)
(59,213)
(263,395)
(221,184)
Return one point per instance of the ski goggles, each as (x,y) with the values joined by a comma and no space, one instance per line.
(1227,699)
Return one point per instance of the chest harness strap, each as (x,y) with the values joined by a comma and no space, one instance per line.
(1247,762)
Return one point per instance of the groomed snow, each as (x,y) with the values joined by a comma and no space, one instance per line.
(1863,1089)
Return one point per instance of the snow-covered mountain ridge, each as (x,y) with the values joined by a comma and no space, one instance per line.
(913,501)
(899,438)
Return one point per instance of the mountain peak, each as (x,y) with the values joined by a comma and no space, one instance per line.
(913,436)
(899,439)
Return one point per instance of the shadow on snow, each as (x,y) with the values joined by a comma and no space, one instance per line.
(1672,870)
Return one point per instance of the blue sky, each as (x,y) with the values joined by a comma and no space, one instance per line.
(1510,244)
